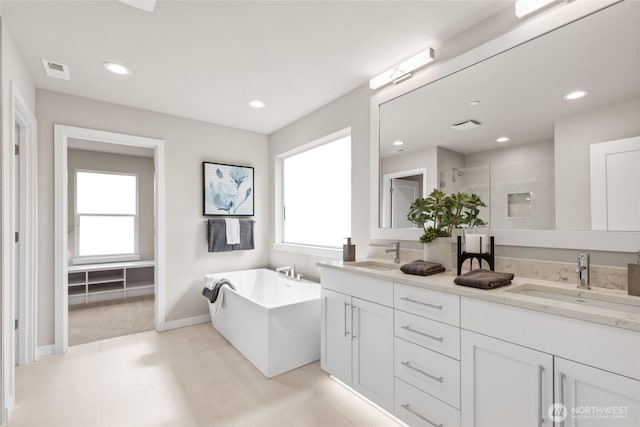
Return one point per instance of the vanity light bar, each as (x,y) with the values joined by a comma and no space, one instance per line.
(403,70)
(525,7)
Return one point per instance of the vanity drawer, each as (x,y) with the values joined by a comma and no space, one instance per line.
(427,303)
(429,371)
(419,409)
(358,285)
(428,333)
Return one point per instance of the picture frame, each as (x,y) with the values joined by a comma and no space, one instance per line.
(228,190)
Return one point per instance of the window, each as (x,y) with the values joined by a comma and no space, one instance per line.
(316,193)
(106,214)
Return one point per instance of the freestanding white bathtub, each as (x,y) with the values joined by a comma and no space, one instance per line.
(274,321)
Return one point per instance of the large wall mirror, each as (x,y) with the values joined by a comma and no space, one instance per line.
(513,129)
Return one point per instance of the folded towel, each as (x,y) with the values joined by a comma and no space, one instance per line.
(422,268)
(233,231)
(484,279)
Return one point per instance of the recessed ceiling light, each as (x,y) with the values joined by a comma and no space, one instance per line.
(257,103)
(116,68)
(576,94)
(474,103)
(397,143)
(502,139)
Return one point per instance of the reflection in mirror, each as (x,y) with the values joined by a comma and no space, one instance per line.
(400,189)
(614,169)
(525,146)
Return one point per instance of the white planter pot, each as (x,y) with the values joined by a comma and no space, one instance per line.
(442,251)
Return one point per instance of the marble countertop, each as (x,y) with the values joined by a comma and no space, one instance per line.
(443,282)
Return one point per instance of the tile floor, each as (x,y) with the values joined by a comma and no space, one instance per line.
(185,377)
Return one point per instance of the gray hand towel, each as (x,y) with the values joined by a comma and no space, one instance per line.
(484,279)
(422,268)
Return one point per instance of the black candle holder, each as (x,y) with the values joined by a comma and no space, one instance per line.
(463,256)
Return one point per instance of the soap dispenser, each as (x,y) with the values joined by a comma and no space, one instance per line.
(633,277)
(349,251)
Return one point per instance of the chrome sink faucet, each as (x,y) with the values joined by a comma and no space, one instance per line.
(583,271)
(396,250)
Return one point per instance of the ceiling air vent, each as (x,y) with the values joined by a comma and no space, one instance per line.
(468,125)
(56,70)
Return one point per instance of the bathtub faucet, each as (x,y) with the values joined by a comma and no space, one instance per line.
(289,270)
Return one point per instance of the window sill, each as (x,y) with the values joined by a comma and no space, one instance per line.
(324,252)
(103,259)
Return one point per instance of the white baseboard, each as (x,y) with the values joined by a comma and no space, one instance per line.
(181,323)
(45,350)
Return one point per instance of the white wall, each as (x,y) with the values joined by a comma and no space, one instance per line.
(188,144)
(573,136)
(143,167)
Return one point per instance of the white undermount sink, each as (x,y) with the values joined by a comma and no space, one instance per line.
(374,265)
(579,297)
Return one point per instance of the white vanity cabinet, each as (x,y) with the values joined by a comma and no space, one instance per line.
(599,398)
(435,358)
(357,334)
(516,363)
(504,384)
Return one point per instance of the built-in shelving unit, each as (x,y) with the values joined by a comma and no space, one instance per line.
(100,282)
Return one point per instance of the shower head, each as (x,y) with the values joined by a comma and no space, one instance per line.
(456,172)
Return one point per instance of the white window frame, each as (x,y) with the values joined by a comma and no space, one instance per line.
(90,259)
(280,244)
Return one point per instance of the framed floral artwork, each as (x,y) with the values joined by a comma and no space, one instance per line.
(228,190)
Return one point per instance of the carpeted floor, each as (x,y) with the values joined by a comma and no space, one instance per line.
(101,320)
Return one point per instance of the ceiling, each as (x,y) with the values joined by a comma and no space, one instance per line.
(206,60)
(521,91)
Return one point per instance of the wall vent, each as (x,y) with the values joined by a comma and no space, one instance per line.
(468,125)
(56,69)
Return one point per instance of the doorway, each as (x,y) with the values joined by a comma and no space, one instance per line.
(89,277)
(110,240)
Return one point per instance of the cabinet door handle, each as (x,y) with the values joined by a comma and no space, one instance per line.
(424,334)
(433,377)
(540,414)
(562,378)
(353,334)
(415,301)
(422,417)
(346,304)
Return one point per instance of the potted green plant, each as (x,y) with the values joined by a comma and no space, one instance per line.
(439,214)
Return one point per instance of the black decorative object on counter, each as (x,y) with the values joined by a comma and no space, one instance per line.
(488,258)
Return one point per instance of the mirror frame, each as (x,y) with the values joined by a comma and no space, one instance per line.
(532,28)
